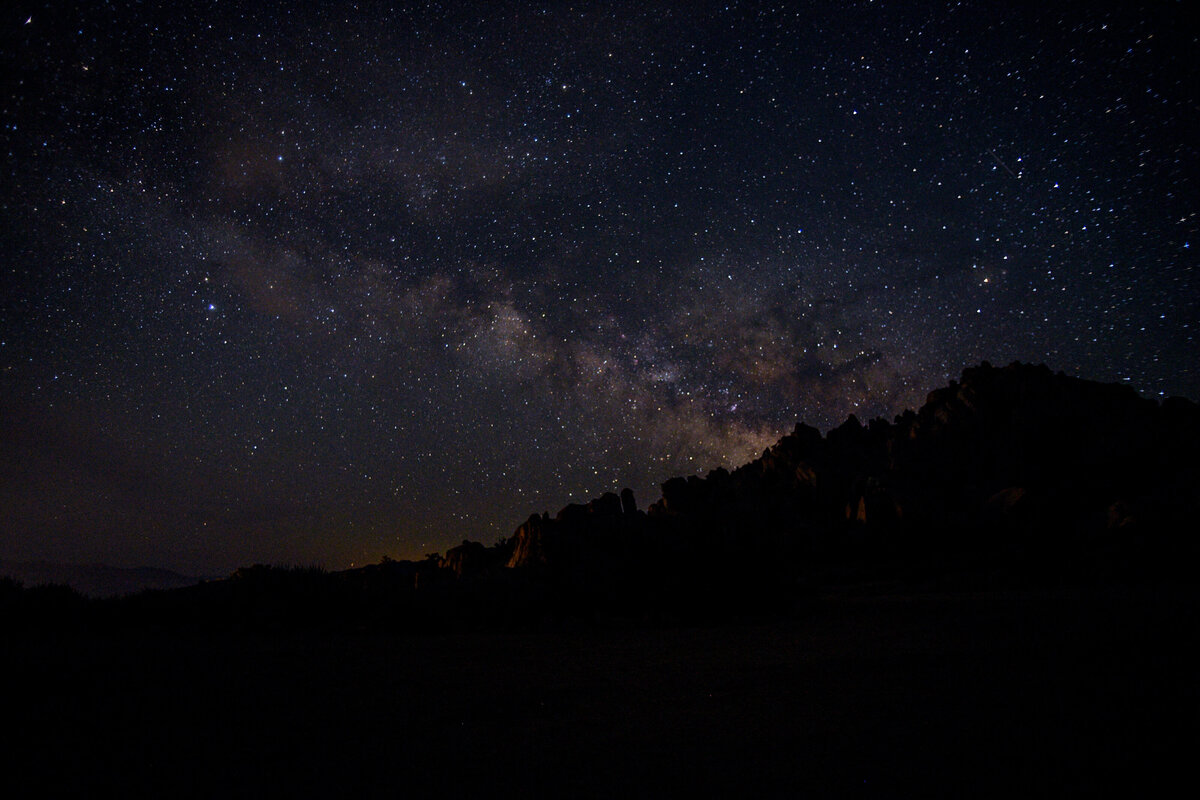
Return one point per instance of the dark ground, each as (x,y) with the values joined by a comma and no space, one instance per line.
(1068,692)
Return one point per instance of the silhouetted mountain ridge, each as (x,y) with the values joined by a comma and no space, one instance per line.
(1008,476)
(1018,466)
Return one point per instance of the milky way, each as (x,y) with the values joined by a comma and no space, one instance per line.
(321,285)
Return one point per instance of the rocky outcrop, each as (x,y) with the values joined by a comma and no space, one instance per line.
(530,542)
(628,503)
(578,532)
(468,557)
(1004,455)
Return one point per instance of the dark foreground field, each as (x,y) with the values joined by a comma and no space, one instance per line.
(1075,692)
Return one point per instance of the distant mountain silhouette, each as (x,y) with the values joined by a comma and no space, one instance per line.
(94,580)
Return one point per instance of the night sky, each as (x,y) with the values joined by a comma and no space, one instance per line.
(321,283)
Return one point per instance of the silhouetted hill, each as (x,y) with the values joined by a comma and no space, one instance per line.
(94,580)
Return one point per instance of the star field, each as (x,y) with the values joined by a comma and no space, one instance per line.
(322,283)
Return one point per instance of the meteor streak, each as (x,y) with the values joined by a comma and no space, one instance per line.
(992,153)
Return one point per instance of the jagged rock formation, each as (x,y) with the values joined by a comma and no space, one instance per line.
(1019,464)
(464,559)
(570,536)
